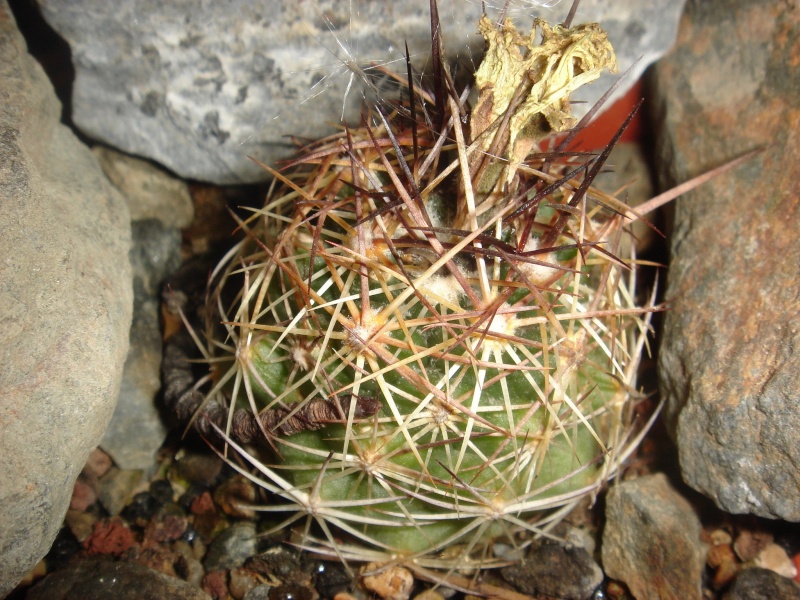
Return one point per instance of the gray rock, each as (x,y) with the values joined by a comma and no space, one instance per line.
(101,580)
(651,540)
(137,428)
(260,592)
(231,548)
(757,584)
(200,468)
(65,293)
(199,86)
(730,356)
(151,193)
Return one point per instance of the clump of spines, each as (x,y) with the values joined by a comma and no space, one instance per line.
(454,306)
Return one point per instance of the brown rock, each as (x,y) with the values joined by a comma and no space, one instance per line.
(109,536)
(757,584)
(775,558)
(215,584)
(652,542)
(389,583)
(722,559)
(749,543)
(98,463)
(729,362)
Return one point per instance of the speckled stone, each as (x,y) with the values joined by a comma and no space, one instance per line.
(200,86)
(65,293)
(730,356)
(651,540)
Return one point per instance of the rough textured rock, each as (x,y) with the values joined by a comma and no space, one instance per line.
(137,429)
(651,540)
(100,580)
(553,568)
(757,584)
(65,293)
(198,86)
(730,357)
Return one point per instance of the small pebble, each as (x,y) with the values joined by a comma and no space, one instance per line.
(231,548)
(201,468)
(242,581)
(236,496)
(616,590)
(291,591)
(188,567)
(331,578)
(98,463)
(162,558)
(762,584)
(142,507)
(162,490)
(80,523)
(722,559)
(558,569)
(260,592)
(390,583)
(165,527)
(651,540)
(429,595)
(720,536)
(277,563)
(202,503)
(209,521)
(109,536)
(84,493)
(749,543)
(64,548)
(775,558)
(117,487)
(215,584)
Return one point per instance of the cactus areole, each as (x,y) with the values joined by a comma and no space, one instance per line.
(432,318)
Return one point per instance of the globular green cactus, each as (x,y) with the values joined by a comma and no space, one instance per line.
(433,319)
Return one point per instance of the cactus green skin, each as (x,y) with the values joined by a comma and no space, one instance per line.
(501,343)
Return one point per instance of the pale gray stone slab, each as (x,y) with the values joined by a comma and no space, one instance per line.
(200,86)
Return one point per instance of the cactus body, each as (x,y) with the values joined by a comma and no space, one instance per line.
(438,333)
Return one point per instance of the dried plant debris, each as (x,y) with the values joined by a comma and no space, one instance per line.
(537,77)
